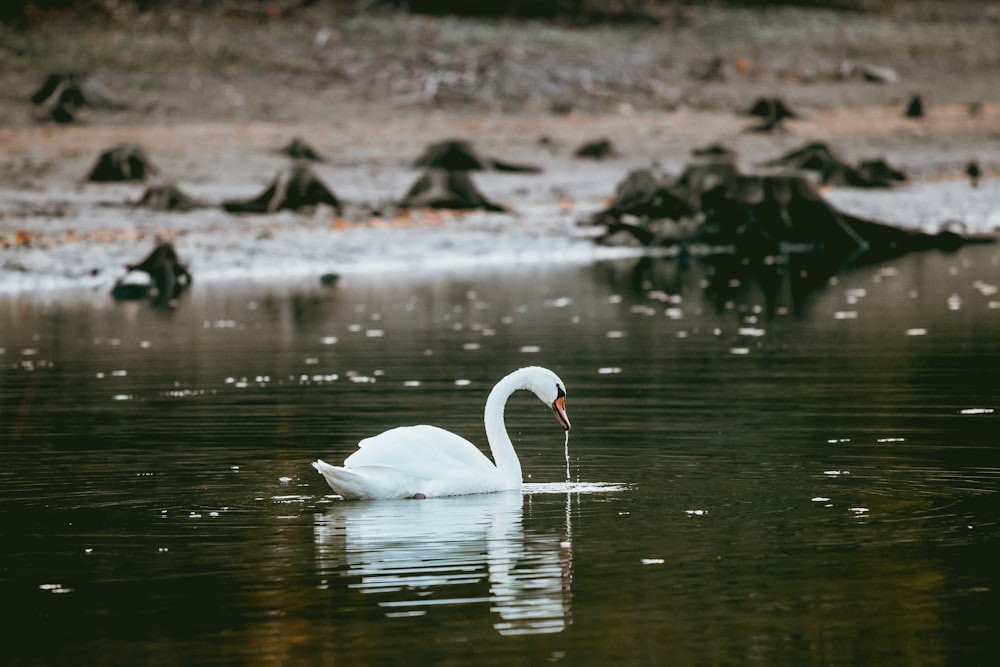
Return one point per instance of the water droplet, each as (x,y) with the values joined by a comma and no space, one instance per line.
(916,332)
(652,561)
(985,289)
(853,295)
(750,331)
(55,588)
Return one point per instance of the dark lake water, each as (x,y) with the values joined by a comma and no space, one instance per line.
(763,471)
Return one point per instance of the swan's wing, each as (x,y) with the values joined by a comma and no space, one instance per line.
(367,482)
(426,452)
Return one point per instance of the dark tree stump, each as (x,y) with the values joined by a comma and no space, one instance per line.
(645,196)
(459,155)
(915,107)
(126,162)
(598,149)
(167,197)
(170,276)
(292,189)
(819,158)
(298,149)
(439,188)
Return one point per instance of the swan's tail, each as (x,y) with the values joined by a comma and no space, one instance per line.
(355,484)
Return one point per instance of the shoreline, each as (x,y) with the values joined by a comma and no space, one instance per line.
(212,111)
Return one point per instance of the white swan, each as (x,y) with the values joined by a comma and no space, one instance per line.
(426,461)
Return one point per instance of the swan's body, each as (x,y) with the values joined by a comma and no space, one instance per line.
(427,461)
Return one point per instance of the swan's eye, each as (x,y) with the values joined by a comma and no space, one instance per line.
(560,392)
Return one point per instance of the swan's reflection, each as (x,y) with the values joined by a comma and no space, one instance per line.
(415,555)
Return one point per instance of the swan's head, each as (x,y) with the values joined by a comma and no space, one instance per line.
(547,386)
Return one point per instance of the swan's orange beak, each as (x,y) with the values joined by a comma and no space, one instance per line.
(559,407)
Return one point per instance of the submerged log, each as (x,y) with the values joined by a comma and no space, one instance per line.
(440,188)
(293,188)
(125,162)
(459,155)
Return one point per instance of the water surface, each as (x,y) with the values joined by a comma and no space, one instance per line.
(764,470)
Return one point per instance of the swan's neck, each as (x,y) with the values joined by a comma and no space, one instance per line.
(504,455)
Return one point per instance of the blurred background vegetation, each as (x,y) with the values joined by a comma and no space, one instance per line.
(579,11)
